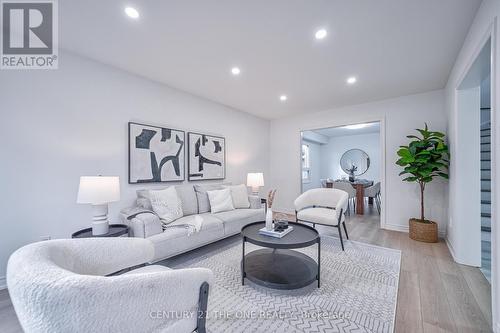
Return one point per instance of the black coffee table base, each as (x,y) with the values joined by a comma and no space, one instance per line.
(280,269)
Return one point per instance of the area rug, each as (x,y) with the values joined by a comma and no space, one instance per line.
(358,292)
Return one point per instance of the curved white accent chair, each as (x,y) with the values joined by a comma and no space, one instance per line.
(345,186)
(374,192)
(325,206)
(61,286)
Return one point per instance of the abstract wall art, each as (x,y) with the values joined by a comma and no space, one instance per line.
(206,157)
(156,154)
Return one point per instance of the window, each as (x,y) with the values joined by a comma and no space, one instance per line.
(306,164)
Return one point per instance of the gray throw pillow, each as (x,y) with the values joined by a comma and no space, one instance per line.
(188,199)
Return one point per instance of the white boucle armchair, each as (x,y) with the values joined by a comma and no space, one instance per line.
(325,206)
(61,286)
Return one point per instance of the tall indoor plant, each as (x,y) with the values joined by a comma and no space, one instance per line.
(423,159)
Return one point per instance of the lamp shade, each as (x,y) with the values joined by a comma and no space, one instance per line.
(255,179)
(98,190)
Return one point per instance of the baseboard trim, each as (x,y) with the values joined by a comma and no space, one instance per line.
(3,282)
(406,228)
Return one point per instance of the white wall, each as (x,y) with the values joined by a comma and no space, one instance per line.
(332,152)
(402,115)
(59,125)
(315,166)
(485,21)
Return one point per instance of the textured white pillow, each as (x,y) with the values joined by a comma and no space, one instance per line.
(220,200)
(239,193)
(166,204)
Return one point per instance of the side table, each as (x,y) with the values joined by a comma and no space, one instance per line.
(115,230)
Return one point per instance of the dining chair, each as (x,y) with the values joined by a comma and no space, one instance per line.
(351,191)
(374,192)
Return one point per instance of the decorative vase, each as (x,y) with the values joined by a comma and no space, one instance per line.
(351,178)
(269,219)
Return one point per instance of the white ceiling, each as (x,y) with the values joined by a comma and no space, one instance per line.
(343,131)
(394,47)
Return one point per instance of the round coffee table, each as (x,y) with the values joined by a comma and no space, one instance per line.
(277,266)
(115,230)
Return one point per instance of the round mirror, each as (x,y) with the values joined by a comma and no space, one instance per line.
(355,161)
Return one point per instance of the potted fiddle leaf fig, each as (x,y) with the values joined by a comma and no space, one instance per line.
(423,159)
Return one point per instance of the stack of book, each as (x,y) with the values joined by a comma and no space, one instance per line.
(277,234)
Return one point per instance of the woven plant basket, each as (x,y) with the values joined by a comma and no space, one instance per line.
(423,232)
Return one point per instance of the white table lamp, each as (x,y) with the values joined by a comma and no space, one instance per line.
(99,191)
(255,181)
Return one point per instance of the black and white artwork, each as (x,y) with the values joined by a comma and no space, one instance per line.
(156,154)
(206,156)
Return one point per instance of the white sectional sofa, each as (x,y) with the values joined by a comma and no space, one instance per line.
(144,223)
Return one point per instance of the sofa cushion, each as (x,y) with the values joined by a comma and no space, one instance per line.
(175,240)
(236,219)
(239,194)
(220,200)
(188,199)
(319,215)
(202,196)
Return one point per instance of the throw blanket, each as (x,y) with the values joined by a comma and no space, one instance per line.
(193,225)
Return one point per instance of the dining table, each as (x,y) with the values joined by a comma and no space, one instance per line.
(359,185)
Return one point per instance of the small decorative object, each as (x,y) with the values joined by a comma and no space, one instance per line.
(255,181)
(351,171)
(156,154)
(207,157)
(423,159)
(269,212)
(99,191)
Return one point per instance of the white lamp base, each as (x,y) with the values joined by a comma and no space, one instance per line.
(100,224)
(255,190)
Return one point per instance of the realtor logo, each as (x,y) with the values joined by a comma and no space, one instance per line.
(29,34)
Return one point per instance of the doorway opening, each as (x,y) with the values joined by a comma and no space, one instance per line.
(349,158)
(474,159)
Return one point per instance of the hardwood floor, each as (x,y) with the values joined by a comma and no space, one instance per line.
(435,293)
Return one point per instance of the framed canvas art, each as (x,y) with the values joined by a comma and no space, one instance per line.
(206,157)
(156,154)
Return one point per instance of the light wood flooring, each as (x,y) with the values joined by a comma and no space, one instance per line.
(435,293)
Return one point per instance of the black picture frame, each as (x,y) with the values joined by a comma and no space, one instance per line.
(193,177)
(181,157)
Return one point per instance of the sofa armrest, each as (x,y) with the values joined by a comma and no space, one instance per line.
(145,225)
(255,202)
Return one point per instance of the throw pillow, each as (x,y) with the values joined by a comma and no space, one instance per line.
(239,193)
(220,200)
(202,197)
(166,204)
(143,199)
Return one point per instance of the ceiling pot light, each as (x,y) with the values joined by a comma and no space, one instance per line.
(351,80)
(235,71)
(356,126)
(283,98)
(320,34)
(131,12)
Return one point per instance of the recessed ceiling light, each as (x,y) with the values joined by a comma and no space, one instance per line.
(132,12)
(283,98)
(357,126)
(351,80)
(320,34)
(235,71)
